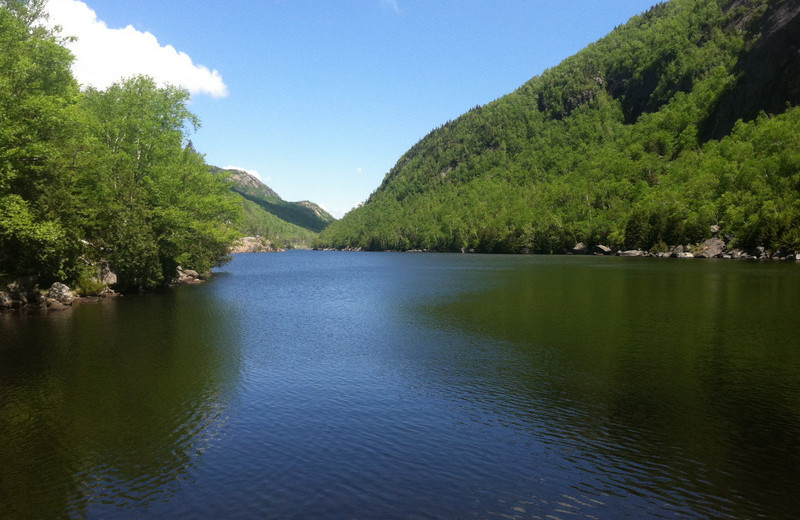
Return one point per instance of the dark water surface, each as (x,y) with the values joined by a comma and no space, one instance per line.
(397,386)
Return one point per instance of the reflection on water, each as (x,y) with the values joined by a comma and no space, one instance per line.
(349,385)
(109,405)
(675,380)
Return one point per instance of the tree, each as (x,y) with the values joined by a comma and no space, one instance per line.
(37,119)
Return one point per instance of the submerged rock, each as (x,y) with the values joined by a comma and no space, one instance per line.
(632,252)
(55,305)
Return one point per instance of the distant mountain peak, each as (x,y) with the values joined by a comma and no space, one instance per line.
(305,214)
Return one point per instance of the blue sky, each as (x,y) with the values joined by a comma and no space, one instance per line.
(321,97)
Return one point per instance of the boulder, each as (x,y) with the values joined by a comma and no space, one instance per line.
(5,300)
(187,277)
(712,248)
(632,252)
(107,276)
(600,249)
(579,249)
(61,293)
(684,255)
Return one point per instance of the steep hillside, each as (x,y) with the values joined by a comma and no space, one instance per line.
(634,142)
(286,224)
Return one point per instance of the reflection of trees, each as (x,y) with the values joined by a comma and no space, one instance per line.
(666,378)
(111,402)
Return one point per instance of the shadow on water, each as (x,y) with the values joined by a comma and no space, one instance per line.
(110,405)
(672,383)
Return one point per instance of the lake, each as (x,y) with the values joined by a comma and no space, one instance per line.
(403,386)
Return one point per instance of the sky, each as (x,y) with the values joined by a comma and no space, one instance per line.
(320,98)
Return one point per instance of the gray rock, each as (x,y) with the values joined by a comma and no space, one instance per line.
(602,250)
(713,247)
(632,252)
(61,293)
(579,249)
(5,300)
(107,276)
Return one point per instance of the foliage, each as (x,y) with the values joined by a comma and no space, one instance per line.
(94,176)
(609,147)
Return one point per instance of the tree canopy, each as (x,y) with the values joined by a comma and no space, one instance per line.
(95,177)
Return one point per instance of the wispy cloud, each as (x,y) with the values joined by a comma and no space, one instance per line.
(391,4)
(104,55)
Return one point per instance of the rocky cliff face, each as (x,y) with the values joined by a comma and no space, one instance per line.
(253,245)
(768,73)
(251,184)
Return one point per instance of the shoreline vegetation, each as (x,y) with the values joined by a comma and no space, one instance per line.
(24,295)
(714,247)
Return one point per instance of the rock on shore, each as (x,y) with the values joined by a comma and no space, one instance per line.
(255,244)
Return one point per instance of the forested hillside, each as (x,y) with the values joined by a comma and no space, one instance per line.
(684,118)
(266,214)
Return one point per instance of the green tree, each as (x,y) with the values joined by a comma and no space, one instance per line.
(37,124)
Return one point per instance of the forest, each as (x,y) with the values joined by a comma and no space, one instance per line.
(682,119)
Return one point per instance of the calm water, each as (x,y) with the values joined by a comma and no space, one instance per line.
(379,385)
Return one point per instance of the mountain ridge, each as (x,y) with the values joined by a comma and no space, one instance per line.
(285,224)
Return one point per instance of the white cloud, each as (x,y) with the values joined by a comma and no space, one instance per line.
(104,55)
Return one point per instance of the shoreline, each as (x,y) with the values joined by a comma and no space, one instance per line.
(25,296)
(710,248)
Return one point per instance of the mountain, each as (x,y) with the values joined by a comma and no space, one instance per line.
(684,118)
(286,224)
